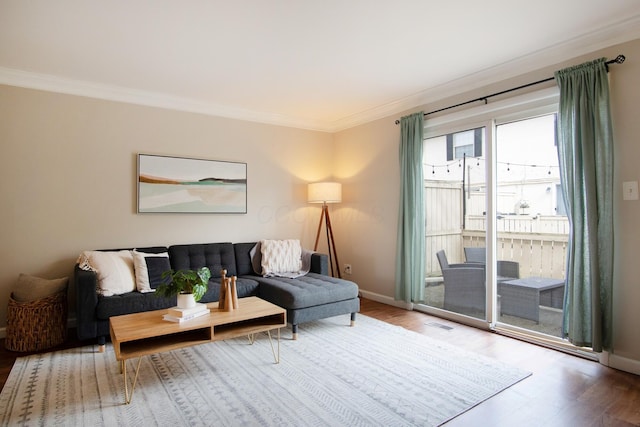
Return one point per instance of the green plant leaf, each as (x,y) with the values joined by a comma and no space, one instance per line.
(185,281)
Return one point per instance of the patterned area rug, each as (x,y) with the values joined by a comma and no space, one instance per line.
(333,375)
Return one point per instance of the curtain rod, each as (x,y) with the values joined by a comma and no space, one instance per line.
(618,60)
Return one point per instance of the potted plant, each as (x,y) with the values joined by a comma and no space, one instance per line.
(188,285)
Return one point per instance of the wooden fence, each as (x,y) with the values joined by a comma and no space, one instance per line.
(538,243)
(537,224)
(443,204)
(542,255)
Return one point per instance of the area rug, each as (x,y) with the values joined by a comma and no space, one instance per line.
(373,374)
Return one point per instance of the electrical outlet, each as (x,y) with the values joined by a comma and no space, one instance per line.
(630,190)
(347,269)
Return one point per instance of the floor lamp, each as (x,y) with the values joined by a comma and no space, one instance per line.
(325,193)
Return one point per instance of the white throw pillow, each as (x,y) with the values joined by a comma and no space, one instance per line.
(114,270)
(280,256)
(148,269)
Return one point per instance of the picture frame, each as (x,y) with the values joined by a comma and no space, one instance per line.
(168,184)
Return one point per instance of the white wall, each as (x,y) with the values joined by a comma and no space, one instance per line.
(367,162)
(68,169)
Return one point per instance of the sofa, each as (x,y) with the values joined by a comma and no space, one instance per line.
(312,296)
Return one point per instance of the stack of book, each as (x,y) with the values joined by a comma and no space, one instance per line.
(179,315)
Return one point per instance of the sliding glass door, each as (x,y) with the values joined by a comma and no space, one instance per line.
(496,233)
(532,229)
(455,197)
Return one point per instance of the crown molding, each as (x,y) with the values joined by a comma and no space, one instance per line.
(605,37)
(50,83)
(619,33)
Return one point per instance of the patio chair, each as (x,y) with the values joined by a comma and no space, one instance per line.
(464,290)
(444,263)
(506,270)
(478,255)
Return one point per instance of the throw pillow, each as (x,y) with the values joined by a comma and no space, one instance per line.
(148,269)
(32,288)
(280,256)
(114,270)
(256,259)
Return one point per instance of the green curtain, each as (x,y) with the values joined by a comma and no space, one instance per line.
(411,252)
(585,152)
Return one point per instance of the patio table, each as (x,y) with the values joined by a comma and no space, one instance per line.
(523,297)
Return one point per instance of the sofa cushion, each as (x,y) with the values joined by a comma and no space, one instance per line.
(306,291)
(131,302)
(245,287)
(256,259)
(135,302)
(215,256)
(149,269)
(243,253)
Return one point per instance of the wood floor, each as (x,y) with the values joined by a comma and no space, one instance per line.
(564,390)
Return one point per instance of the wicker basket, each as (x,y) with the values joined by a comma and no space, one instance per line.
(37,325)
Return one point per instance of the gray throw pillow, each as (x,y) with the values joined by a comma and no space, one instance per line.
(32,288)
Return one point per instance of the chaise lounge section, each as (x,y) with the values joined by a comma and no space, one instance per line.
(312,296)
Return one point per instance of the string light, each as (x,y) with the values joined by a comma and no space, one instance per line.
(448,165)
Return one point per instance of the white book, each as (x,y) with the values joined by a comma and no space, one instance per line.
(176,319)
(184,312)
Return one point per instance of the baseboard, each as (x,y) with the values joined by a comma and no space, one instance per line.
(384,299)
(624,364)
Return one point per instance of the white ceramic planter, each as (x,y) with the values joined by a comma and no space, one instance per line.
(186,301)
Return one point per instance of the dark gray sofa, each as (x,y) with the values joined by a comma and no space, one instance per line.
(313,296)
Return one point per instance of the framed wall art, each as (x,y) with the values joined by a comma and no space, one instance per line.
(184,185)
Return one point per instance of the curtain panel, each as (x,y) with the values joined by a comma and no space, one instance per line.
(411,251)
(585,152)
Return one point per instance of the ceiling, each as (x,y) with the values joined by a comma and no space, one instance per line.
(325,65)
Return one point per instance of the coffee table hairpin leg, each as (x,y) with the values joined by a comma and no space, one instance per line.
(128,396)
(276,356)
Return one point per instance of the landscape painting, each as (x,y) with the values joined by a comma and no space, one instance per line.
(184,185)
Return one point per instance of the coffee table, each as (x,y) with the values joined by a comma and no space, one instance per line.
(142,334)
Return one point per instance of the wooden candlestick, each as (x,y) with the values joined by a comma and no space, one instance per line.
(234,292)
(223,288)
(228,299)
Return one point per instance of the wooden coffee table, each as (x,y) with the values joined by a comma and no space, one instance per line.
(142,334)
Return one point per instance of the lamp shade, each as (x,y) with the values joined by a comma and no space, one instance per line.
(325,192)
